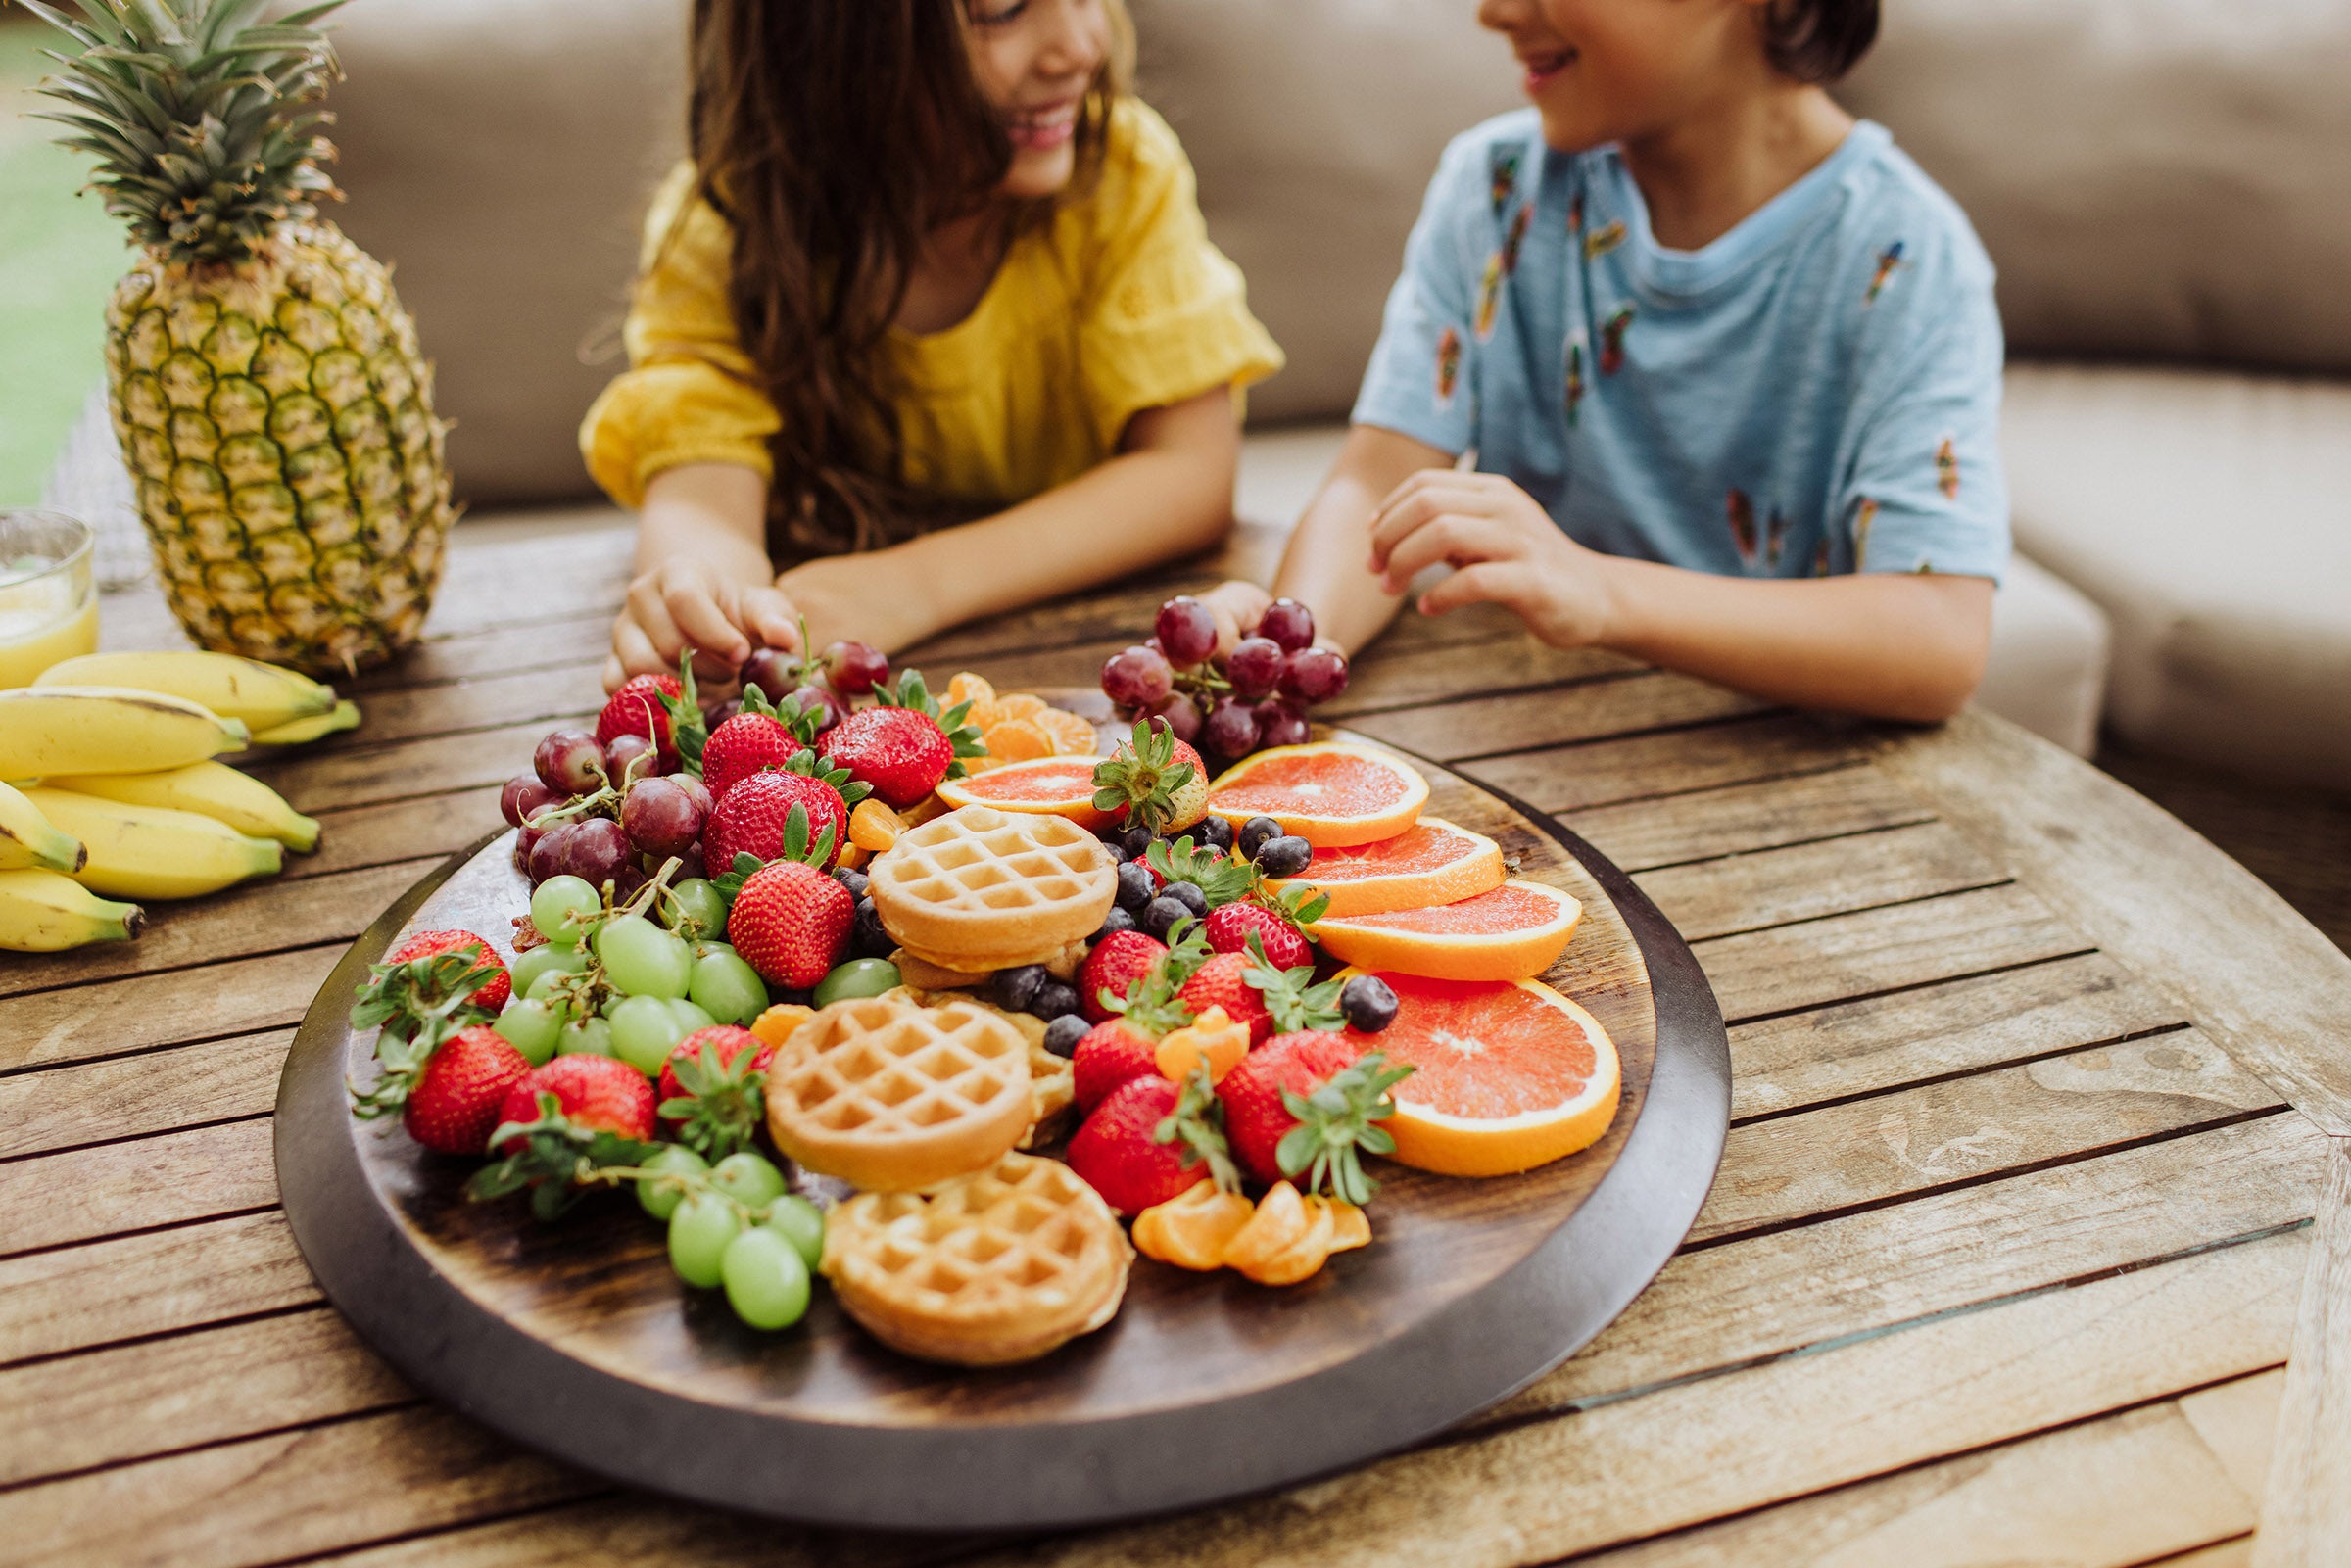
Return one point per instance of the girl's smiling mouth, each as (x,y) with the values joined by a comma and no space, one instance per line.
(1543,67)
(1045,127)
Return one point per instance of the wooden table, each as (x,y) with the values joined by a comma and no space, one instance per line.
(2011,1257)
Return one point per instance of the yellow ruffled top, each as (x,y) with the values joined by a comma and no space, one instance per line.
(1118,303)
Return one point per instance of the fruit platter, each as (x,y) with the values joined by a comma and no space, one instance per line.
(949,1109)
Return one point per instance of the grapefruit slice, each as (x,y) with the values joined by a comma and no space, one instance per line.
(1506,1075)
(1431,862)
(1514,933)
(1056,787)
(1330,793)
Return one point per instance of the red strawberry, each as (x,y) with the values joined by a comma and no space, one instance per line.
(741,746)
(1108,1056)
(751,819)
(901,752)
(1117,962)
(455,1101)
(637,709)
(1143,769)
(715,1112)
(790,922)
(598,1093)
(1230,925)
(1117,1152)
(1218,982)
(731,1041)
(1256,1120)
(491,995)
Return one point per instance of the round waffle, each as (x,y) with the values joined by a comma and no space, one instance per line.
(982,888)
(894,1097)
(1000,1266)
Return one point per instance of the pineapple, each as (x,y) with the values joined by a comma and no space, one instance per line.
(267,386)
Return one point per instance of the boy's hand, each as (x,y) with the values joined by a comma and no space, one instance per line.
(1505,550)
(1234,605)
(683,601)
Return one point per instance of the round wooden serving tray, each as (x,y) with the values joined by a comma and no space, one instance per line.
(577,1339)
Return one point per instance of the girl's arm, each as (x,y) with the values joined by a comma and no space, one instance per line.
(702,576)
(1166,494)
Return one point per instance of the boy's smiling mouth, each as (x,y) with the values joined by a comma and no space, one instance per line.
(1544,65)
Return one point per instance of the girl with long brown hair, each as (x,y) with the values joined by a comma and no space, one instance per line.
(930,320)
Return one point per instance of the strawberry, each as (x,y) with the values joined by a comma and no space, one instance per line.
(1153,780)
(491,995)
(642,707)
(1230,925)
(591,1093)
(1117,962)
(902,753)
(753,817)
(456,1100)
(741,746)
(575,1114)
(791,921)
(1302,1107)
(1223,981)
(1149,1141)
(712,1093)
(1108,1056)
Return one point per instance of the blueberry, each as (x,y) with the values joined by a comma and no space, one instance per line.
(1194,901)
(1112,840)
(1056,999)
(1162,911)
(1255,834)
(1285,856)
(1135,885)
(867,938)
(1016,988)
(1213,832)
(1118,919)
(851,878)
(1368,1002)
(1064,1033)
(1133,842)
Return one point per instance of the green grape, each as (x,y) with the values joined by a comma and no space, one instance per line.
(641,958)
(699,1229)
(699,908)
(585,1037)
(748,1178)
(689,1017)
(660,1199)
(766,1279)
(530,1028)
(540,960)
(859,976)
(643,1031)
(556,897)
(727,988)
(548,981)
(800,1222)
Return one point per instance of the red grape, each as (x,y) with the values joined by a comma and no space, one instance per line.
(694,789)
(715,714)
(1287,623)
(1136,678)
(1183,715)
(773,671)
(1186,631)
(1314,674)
(825,702)
(526,839)
(660,819)
(1231,730)
(689,864)
(855,668)
(1279,724)
(1254,667)
(630,756)
(627,879)
(522,796)
(595,850)
(547,855)
(571,762)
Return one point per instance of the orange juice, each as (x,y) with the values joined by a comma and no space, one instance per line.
(41,625)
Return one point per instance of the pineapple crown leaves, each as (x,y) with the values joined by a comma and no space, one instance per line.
(1151,1003)
(1338,1123)
(1141,778)
(1291,996)
(200,117)
(797,845)
(1197,1127)
(415,1006)
(556,1155)
(911,691)
(807,763)
(724,1104)
(1220,878)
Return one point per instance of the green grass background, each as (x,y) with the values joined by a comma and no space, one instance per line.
(59,255)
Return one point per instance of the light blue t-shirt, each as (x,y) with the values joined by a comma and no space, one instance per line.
(1815,392)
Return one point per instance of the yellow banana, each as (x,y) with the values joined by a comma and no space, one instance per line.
(153,851)
(28,838)
(345,715)
(212,789)
(91,728)
(264,696)
(43,912)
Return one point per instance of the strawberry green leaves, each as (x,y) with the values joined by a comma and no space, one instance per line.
(1336,1125)
(1197,1125)
(554,1161)
(1291,996)
(1140,780)
(910,691)
(724,1104)
(414,1006)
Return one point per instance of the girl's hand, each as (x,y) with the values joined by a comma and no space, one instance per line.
(687,602)
(1505,550)
(1234,605)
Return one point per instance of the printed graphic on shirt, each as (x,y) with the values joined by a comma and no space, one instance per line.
(1611,340)
(1863,515)
(1575,213)
(1742,513)
(1947,469)
(1602,240)
(1503,177)
(1449,367)
(1489,296)
(1775,539)
(1890,262)
(1518,237)
(1575,376)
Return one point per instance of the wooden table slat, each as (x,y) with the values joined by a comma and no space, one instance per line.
(1768,887)
(2306,1519)
(1744,817)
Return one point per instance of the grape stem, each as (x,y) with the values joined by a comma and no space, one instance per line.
(684,1183)
(584,992)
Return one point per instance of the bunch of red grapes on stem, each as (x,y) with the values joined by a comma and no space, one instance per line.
(1254,697)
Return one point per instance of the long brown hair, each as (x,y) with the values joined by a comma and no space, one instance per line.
(834,135)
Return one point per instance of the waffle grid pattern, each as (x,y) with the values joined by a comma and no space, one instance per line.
(982,880)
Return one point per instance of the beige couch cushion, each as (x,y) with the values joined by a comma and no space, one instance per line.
(2208,515)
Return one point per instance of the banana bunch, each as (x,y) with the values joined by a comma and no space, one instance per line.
(278,707)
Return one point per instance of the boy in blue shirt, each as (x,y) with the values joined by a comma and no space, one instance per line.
(1729,362)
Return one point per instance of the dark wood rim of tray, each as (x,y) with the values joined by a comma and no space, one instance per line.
(1446,1367)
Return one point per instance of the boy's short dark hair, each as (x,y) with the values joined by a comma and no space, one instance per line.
(1818,40)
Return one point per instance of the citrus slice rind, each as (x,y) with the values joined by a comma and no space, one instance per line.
(1431,862)
(1511,932)
(1057,786)
(1552,1044)
(1332,793)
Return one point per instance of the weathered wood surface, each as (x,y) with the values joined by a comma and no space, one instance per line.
(2009,1246)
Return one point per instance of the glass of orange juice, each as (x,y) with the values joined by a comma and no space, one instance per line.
(48,601)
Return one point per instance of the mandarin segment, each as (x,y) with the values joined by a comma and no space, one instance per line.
(1193,1229)
(1017,741)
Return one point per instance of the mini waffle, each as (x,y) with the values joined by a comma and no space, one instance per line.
(1001,1265)
(982,888)
(1052,1079)
(894,1097)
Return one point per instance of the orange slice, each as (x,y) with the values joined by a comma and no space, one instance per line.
(1073,736)
(1431,862)
(1059,786)
(1212,1037)
(1192,1229)
(1514,933)
(1332,793)
(1505,1077)
(874,826)
(775,1025)
(1017,741)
